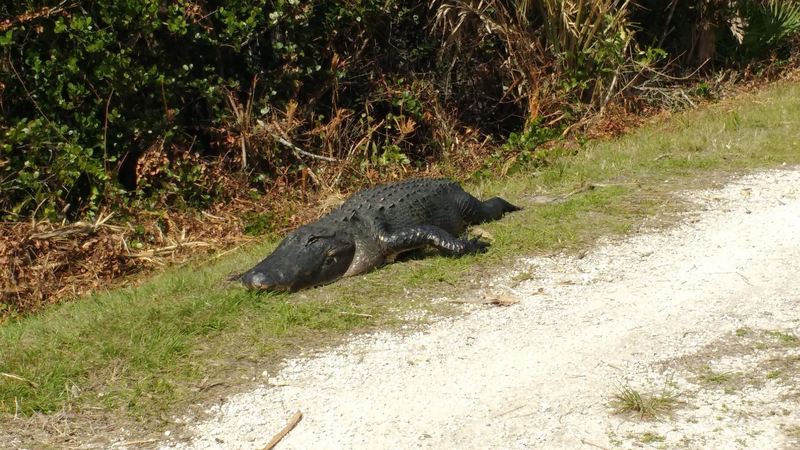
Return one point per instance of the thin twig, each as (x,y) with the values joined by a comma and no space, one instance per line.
(244,120)
(300,151)
(139,442)
(667,29)
(243,143)
(366,138)
(105,131)
(686,97)
(496,300)
(281,434)
(33,100)
(509,411)
(77,228)
(29,16)
(673,78)
(168,249)
(209,386)
(19,378)
(220,255)
(208,214)
(347,313)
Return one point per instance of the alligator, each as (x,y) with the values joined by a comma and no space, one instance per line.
(372,228)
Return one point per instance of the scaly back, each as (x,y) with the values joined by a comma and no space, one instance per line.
(422,201)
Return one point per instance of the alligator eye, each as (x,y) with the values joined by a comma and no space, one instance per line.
(329,260)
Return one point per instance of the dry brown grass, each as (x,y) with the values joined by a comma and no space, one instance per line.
(44,263)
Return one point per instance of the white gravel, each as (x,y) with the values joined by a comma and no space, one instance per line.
(540,373)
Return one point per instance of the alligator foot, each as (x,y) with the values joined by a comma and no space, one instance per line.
(476,245)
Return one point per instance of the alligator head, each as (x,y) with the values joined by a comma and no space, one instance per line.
(310,256)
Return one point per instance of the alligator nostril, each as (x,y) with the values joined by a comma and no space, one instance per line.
(258,279)
(255,280)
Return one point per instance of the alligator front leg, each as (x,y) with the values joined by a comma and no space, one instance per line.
(415,237)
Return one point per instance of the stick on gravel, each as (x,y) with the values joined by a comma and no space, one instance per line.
(277,438)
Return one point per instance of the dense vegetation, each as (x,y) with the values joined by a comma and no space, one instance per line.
(156,103)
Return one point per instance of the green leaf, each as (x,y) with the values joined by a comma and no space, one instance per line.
(7,39)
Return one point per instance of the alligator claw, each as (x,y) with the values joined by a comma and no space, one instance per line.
(476,245)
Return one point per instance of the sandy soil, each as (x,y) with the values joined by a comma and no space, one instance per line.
(706,313)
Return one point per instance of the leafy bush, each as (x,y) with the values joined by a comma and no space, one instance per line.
(88,87)
(769,25)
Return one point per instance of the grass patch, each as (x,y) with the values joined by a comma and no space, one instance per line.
(645,405)
(144,352)
(520,278)
(651,438)
(742,332)
(770,356)
(709,376)
(792,432)
(785,339)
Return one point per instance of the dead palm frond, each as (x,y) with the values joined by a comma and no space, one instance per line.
(590,41)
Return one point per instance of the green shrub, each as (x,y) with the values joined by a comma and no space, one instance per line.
(769,26)
(88,87)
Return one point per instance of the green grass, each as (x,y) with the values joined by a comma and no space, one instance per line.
(147,351)
(645,405)
(786,339)
(649,437)
(773,374)
(769,354)
(709,376)
(742,332)
(125,348)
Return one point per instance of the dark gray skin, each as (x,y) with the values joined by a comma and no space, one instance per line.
(371,228)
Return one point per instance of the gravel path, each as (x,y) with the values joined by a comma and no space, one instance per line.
(705,311)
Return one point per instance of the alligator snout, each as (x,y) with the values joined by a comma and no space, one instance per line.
(263,281)
(309,256)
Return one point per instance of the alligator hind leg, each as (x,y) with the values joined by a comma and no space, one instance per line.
(415,237)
